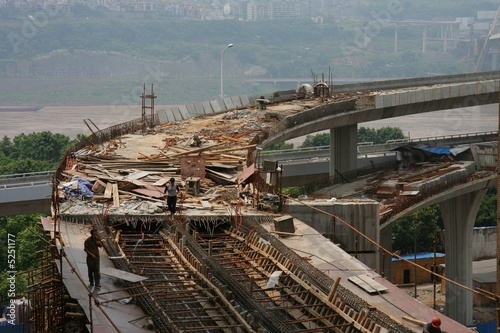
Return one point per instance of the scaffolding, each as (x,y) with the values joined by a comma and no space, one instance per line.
(151,97)
(51,309)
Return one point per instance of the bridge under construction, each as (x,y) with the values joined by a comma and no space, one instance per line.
(220,264)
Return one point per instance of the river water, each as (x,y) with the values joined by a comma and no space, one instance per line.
(69,120)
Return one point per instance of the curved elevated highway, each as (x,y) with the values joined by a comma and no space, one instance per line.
(364,102)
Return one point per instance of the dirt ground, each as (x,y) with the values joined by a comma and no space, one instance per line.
(425,294)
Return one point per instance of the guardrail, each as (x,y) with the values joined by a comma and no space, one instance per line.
(388,142)
(26,184)
(28,174)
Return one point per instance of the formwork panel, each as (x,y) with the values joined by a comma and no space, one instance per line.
(380,101)
(445,92)
(427,95)
(191,110)
(229,103)
(455,90)
(207,107)
(236,101)
(436,94)
(484,87)
(170,116)
(402,98)
(162,116)
(217,105)
(245,101)
(199,108)
(177,114)
(470,88)
(184,112)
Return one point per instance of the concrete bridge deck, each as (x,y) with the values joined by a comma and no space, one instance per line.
(278,123)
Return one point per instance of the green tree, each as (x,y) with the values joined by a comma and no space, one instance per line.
(280,146)
(33,152)
(381,135)
(387,133)
(5,145)
(365,134)
(420,225)
(487,213)
(21,234)
(21,285)
(317,140)
(42,146)
(24,166)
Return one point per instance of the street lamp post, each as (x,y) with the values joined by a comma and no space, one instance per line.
(222,70)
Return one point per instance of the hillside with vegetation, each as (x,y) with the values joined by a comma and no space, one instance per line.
(90,56)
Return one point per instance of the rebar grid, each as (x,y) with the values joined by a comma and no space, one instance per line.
(185,297)
(323,282)
(46,294)
(216,282)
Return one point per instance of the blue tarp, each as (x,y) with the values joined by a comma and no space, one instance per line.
(422,255)
(449,150)
(490,327)
(83,188)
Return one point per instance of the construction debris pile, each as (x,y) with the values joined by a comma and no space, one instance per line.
(398,190)
(205,155)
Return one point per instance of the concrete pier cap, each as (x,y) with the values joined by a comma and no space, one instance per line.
(326,217)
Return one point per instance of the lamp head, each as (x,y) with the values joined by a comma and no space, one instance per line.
(230,45)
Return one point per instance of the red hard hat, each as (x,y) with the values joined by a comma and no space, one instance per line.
(436,322)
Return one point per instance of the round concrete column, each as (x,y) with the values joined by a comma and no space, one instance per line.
(459,214)
(343,150)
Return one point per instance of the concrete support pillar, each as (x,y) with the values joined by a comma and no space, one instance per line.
(385,261)
(343,150)
(459,214)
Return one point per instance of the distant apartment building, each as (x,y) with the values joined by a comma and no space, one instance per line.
(242,10)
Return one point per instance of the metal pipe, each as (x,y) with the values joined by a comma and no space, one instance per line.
(222,70)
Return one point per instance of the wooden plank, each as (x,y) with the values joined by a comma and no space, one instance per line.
(409,192)
(109,191)
(160,182)
(228,149)
(117,273)
(367,283)
(98,186)
(137,174)
(116,197)
(206,205)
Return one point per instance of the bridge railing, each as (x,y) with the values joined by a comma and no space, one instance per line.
(25,184)
(454,136)
(382,145)
(27,174)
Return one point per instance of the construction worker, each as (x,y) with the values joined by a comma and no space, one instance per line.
(171,191)
(433,326)
(261,102)
(91,247)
